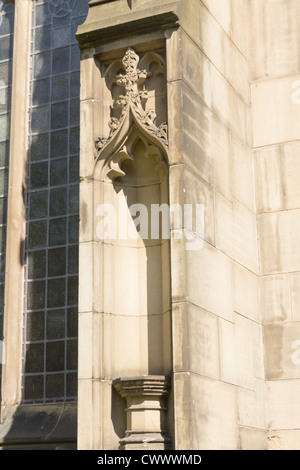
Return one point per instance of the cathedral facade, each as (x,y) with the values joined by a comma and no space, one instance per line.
(148,224)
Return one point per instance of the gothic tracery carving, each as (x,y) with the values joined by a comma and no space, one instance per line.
(131,102)
(61,8)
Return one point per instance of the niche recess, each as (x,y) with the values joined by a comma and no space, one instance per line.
(130,185)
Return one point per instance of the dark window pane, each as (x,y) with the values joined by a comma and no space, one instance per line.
(64,16)
(57,231)
(73,229)
(3,210)
(42,38)
(35,328)
(61,36)
(55,356)
(34,358)
(1,300)
(2,239)
(80,9)
(73,260)
(72,346)
(41,91)
(56,293)
(72,385)
(42,14)
(60,60)
(72,322)
(72,290)
(74,170)
(58,172)
(37,234)
(7,25)
(74,140)
(55,385)
(73,199)
(59,115)
(38,175)
(36,264)
(60,87)
(38,205)
(5,48)
(40,119)
(39,147)
(35,295)
(57,262)
(55,324)
(58,201)
(34,387)
(2,267)
(75,58)
(75,80)
(42,65)
(59,143)
(74,113)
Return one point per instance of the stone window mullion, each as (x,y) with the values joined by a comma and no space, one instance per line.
(14,270)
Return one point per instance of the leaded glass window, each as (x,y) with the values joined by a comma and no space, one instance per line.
(51,248)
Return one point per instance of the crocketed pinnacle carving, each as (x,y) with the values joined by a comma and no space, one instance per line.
(134,99)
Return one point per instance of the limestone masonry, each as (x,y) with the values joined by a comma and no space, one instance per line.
(189,339)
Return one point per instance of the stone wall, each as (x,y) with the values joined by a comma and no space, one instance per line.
(232,84)
(274,59)
(219,378)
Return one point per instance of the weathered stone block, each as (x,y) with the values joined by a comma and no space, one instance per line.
(241,352)
(213,421)
(282,351)
(251,406)
(282,404)
(283,440)
(276,116)
(188,188)
(236,232)
(275,298)
(279,241)
(274,40)
(195,340)
(246,293)
(253,439)
(209,281)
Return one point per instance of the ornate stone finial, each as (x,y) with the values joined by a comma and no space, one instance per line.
(133,76)
(134,99)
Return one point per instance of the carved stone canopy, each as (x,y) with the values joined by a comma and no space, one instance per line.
(133,116)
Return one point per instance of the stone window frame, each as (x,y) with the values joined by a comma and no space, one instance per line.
(52,425)
(16,221)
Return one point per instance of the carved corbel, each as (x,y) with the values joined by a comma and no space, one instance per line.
(146,412)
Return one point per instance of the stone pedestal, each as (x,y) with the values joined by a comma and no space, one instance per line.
(146,399)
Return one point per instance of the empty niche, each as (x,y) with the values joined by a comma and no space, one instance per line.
(132,191)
